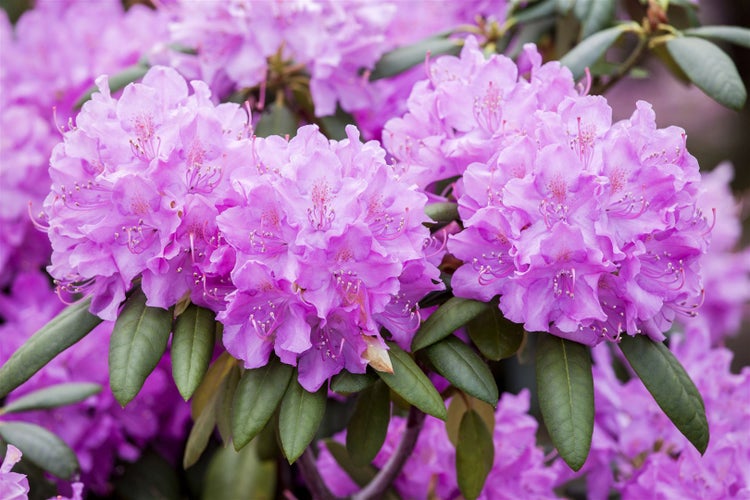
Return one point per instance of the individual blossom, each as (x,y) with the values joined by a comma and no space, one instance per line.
(518,469)
(583,227)
(13,486)
(137,184)
(101,433)
(329,248)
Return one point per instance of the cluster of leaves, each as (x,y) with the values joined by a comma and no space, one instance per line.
(251,408)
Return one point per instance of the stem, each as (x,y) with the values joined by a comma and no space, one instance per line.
(626,66)
(391,469)
(313,480)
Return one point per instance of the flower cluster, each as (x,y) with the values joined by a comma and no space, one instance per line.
(329,249)
(338,42)
(38,93)
(584,228)
(518,470)
(137,185)
(99,430)
(649,455)
(232,42)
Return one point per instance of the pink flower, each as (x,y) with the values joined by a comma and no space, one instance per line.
(137,185)
(584,228)
(329,248)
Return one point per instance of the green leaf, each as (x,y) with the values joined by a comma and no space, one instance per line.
(258,395)
(41,447)
(566,395)
(278,120)
(594,15)
(402,58)
(224,403)
(670,385)
(540,10)
(474,454)
(348,383)
(334,126)
(586,53)
(495,336)
(53,396)
(116,82)
(239,475)
(458,406)
(150,477)
(733,34)
(442,213)
(710,69)
(299,418)
(410,382)
(448,318)
(661,52)
(368,424)
(139,338)
(362,475)
(211,383)
(192,348)
(463,368)
(200,433)
(64,330)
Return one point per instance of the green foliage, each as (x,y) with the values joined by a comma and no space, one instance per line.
(299,418)
(402,58)
(349,383)
(334,126)
(732,34)
(710,69)
(41,447)
(117,81)
(594,15)
(240,475)
(139,338)
(459,405)
(62,331)
(475,453)
(150,477)
(443,212)
(566,395)
(277,120)
(535,12)
(495,336)
(590,50)
(192,348)
(410,382)
(368,425)
(463,368)
(670,385)
(448,318)
(52,397)
(258,395)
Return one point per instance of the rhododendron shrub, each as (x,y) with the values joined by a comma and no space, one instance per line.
(341,218)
